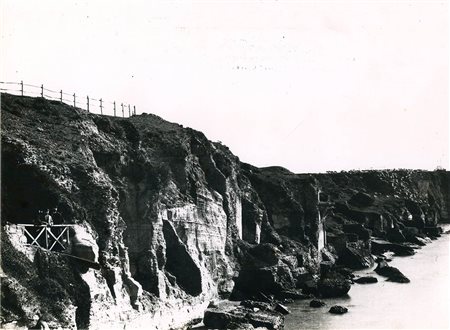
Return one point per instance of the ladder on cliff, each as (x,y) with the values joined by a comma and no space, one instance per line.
(54,237)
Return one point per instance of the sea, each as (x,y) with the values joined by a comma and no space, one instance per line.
(424,303)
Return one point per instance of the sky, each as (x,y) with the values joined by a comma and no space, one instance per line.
(312,86)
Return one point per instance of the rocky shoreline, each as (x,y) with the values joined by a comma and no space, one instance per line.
(268,311)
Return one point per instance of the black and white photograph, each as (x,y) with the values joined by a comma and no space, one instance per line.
(225,164)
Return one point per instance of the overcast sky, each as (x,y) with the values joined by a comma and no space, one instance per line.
(311,86)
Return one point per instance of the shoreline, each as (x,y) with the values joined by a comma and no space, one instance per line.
(345,300)
(363,299)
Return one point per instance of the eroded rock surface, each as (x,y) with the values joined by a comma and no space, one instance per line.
(174,220)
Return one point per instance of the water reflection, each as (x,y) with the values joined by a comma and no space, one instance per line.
(423,303)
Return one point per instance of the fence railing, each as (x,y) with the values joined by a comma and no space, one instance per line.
(55,237)
(90,104)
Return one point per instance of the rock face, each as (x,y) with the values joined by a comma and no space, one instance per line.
(174,220)
(338,310)
(233,317)
(169,216)
(333,285)
(366,280)
(380,246)
(392,273)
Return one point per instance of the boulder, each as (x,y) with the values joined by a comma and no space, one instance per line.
(252,304)
(410,234)
(239,317)
(395,235)
(433,231)
(316,303)
(392,273)
(82,245)
(220,319)
(355,258)
(402,250)
(233,317)
(270,280)
(293,294)
(366,280)
(380,246)
(266,320)
(338,310)
(333,285)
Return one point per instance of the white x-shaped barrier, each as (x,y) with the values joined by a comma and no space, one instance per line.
(60,235)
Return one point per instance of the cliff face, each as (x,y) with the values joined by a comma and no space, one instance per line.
(177,219)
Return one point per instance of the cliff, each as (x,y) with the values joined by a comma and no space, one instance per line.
(174,220)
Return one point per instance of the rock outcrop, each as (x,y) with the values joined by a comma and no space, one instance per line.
(237,317)
(174,220)
(392,273)
(338,309)
(366,280)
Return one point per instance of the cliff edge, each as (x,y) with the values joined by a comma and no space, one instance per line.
(173,220)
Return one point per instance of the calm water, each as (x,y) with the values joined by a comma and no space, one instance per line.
(424,303)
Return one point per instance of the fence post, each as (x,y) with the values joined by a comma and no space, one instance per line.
(42,90)
(61,96)
(101,107)
(129,111)
(87,103)
(122,110)
(74,101)
(134,109)
(114,108)
(21,87)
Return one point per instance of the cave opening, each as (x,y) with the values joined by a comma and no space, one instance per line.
(25,191)
(179,263)
(144,270)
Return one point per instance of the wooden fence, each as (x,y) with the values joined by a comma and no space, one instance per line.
(89,104)
(55,237)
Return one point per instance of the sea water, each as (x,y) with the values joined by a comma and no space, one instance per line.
(424,303)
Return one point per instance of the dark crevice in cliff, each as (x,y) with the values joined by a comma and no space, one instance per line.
(179,262)
(144,270)
(251,222)
(25,190)
(83,304)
